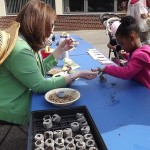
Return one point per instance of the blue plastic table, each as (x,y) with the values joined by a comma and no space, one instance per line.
(120,108)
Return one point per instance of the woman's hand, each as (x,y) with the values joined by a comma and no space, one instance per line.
(85,74)
(65,45)
(88,74)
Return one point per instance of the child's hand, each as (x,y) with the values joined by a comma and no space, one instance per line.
(100,74)
(88,74)
(122,52)
(98,69)
(94,70)
(114,47)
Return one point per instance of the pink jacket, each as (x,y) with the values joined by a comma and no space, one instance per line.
(137,68)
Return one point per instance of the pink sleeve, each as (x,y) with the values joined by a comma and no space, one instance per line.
(126,72)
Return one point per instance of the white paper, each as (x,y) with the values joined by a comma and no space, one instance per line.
(105,62)
(96,54)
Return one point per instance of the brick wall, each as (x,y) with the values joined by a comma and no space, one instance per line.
(76,22)
(6,21)
(66,22)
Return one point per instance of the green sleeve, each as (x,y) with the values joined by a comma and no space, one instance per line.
(49,62)
(23,65)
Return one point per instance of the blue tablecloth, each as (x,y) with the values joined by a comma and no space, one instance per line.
(120,108)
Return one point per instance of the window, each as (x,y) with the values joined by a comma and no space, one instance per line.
(100,6)
(13,6)
(71,6)
(76,7)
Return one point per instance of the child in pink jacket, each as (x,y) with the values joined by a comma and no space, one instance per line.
(138,66)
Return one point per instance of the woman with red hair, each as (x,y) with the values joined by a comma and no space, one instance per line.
(23,71)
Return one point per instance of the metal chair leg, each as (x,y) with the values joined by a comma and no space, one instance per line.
(109,53)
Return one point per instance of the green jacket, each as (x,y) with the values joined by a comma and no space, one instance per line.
(21,73)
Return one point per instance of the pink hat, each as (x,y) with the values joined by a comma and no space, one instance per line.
(114,27)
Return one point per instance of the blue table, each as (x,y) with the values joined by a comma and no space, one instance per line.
(120,108)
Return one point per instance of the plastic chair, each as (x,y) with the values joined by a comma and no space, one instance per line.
(11,125)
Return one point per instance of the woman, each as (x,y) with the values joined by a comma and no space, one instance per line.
(23,70)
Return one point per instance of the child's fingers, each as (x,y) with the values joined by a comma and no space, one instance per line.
(93,70)
(99,69)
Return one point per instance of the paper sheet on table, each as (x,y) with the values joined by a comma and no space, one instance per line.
(105,62)
(97,55)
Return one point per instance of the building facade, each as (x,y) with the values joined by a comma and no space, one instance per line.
(64,7)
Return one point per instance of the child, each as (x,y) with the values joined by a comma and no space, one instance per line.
(113,45)
(148,20)
(138,9)
(124,4)
(138,66)
(147,14)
